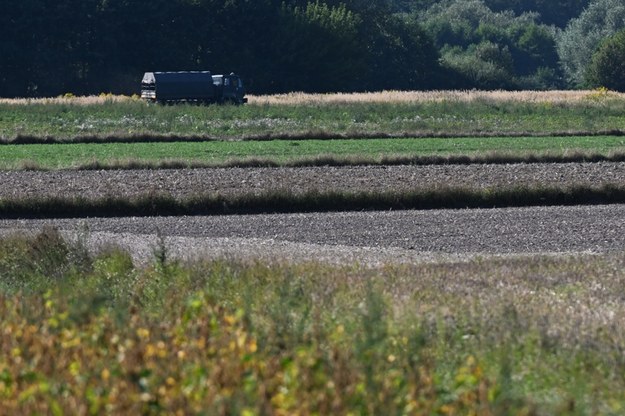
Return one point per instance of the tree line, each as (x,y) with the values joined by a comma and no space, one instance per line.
(52,47)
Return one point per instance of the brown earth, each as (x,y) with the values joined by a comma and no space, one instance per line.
(363,237)
(366,237)
(229,181)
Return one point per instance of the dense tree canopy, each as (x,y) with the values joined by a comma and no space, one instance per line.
(607,68)
(51,47)
(493,49)
(582,36)
(551,12)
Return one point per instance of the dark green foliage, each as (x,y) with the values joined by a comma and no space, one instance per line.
(86,47)
(335,60)
(493,50)
(404,58)
(607,68)
(552,12)
(583,35)
(535,49)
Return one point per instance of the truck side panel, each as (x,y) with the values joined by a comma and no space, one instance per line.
(192,86)
(177,86)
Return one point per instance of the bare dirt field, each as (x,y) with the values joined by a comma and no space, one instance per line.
(233,181)
(366,237)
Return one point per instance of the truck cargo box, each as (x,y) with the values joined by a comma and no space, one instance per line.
(178,86)
(192,86)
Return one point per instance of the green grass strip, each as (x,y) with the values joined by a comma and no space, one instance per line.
(280,202)
(304,152)
(364,119)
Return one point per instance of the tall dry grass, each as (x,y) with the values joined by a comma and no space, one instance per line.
(71,99)
(460,96)
(300,98)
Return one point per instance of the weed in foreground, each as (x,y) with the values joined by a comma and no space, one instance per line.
(229,337)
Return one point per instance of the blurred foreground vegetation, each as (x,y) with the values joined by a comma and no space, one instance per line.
(91,333)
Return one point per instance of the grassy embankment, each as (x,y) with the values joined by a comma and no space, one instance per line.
(121,132)
(306,117)
(94,333)
(313,152)
(157,136)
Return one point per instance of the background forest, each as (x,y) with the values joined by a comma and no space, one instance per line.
(52,47)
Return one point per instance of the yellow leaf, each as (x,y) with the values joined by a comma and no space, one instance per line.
(143,333)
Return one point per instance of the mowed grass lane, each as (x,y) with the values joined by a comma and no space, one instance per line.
(219,153)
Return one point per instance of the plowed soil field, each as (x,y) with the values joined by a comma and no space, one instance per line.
(370,237)
(188,182)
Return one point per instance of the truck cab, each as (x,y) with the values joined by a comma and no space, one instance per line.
(230,88)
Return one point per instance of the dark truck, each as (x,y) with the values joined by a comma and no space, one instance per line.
(192,86)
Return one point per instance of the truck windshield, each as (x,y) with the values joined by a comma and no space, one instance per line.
(218,80)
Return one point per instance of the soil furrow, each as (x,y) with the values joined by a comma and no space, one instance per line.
(181,183)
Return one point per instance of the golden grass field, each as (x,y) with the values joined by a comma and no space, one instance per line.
(300,98)
(435,96)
